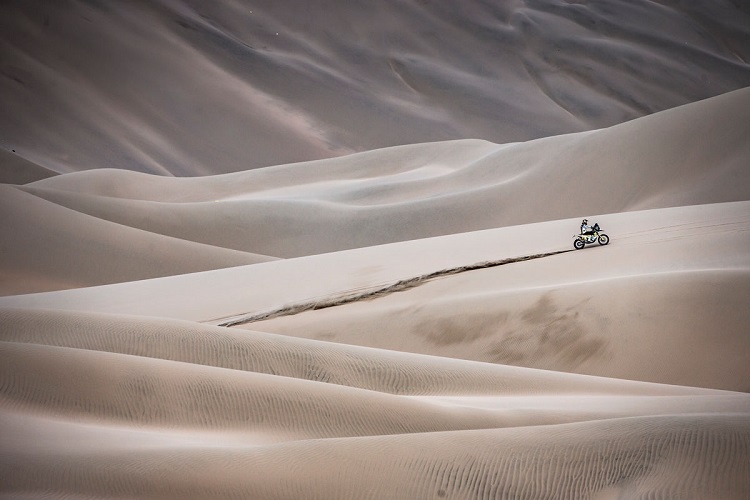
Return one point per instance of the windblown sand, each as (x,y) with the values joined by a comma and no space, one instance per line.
(368,288)
(380,349)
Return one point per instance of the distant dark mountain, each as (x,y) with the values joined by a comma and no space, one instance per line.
(189,87)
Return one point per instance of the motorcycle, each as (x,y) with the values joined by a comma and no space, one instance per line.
(581,240)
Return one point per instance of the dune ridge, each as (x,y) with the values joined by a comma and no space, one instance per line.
(570,461)
(89,251)
(367,368)
(374,204)
(167,407)
(157,405)
(440,337)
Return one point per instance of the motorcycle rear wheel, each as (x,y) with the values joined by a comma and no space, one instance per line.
(578,244)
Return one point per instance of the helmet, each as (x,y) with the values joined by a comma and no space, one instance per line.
(585,221)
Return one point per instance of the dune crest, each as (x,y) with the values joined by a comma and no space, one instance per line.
(256,251)
(419,191)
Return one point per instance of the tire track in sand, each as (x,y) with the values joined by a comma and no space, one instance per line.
(375,292)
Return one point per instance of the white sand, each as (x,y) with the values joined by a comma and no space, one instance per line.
(433,189)
(410,322)
(49,247)
(595,373)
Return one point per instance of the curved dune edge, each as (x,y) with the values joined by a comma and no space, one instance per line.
(657,304)
(48,247)
(371,369)
(96,404)
(419,325)
(15,169)
(427,190)
(644,242)
(100,404)
(143,403)
(479,381)
(687,328)
(603,459)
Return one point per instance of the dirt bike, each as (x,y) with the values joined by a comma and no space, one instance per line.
(581,240)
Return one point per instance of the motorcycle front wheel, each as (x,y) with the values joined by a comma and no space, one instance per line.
(603,239)
(578,244)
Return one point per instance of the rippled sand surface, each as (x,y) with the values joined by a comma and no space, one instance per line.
(408,321)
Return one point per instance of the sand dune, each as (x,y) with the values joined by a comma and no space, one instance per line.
(617,311)
(169,408)
(636,309)
(234,86)
(572,328)
(366,368)
(147,404)
(426,190)
(48,247)
(637,456)
(16,170)
(654,240)
(406,321)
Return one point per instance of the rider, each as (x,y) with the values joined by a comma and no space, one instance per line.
(585,228)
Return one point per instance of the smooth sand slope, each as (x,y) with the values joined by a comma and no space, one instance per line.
(445,339)
(104,405)
(17,170)
(689,155)
(660,289)
(658,304)
(187,87)
(48,247)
